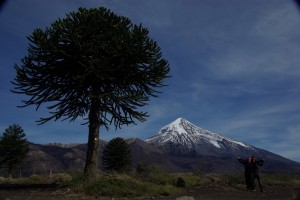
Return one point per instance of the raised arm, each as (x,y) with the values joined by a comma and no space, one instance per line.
(260,162)
(241,160)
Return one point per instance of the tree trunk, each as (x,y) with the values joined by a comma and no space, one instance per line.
(92,156)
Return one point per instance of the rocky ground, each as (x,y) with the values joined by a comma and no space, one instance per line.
(214,192)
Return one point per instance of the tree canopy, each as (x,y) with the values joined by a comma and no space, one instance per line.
(14,148)
(117,155)
(95,65)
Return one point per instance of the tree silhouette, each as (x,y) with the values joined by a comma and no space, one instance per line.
(92,64)
(117,156)
(14,148)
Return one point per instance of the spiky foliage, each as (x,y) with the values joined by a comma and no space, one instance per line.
(117,156)
(92,64)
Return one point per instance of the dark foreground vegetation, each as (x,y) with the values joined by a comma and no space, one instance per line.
(154,184)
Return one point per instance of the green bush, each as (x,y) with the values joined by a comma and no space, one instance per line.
(180,182)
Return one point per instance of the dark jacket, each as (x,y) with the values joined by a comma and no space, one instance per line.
(256,164)
(247,165)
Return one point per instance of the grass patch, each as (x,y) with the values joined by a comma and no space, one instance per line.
(122,185)
(153,183)
(37,179)
(235,178)
(286,179)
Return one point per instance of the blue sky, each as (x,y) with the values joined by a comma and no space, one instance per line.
(235,68)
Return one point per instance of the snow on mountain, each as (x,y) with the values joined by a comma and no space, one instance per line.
(185,133)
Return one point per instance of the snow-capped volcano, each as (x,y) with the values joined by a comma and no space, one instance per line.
(182,132)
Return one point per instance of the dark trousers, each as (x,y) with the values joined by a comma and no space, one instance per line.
(249,180)
(256,176)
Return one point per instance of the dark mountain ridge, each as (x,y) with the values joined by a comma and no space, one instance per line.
(177,147)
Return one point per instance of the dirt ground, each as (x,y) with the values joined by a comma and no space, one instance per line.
(215,192)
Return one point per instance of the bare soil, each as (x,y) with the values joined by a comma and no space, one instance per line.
(212,192)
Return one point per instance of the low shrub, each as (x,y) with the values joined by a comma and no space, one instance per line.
(180,182)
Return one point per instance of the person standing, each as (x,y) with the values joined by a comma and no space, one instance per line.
(247,172)
(255,164)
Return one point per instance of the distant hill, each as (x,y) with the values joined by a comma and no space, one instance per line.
(177,147)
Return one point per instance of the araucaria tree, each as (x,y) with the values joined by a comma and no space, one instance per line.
(117,156)
(14,148)
(92,64)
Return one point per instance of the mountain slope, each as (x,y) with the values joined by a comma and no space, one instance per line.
(182,138)
(183,132)
(200,141)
